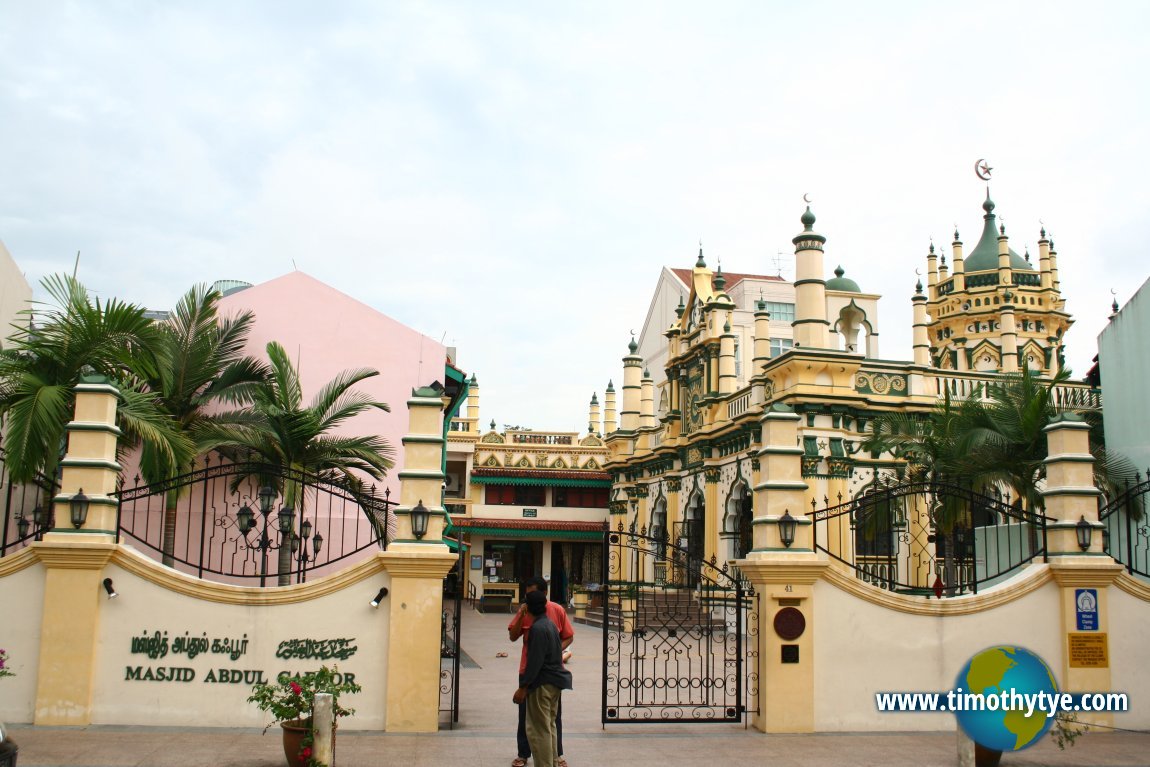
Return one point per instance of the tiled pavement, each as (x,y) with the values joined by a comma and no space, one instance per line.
(485,735)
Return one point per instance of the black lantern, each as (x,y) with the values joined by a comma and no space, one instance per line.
(79,507)
(787,525)
(294,543)
(38,515)
(22,525)
(305,529)
(317,543)
(267,497)
(246,519)
(286,519)
(1084,532)
(419,518)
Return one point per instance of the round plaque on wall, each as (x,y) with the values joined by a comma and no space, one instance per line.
(790,623)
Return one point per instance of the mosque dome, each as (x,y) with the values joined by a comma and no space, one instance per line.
(984,257)
(839,282)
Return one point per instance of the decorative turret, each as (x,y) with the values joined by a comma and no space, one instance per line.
(762,335)
(932,270)
(1005,267)
(921,333)
(473,399)
(609,419)
(727,370)
(632,388)
(593,415)
(841,283)
(943,269)
(647,402)
(1044,259)
(956,254)
(810,324)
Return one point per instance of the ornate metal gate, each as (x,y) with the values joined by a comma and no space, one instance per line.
(680,634)
(1125,532)
(449,652)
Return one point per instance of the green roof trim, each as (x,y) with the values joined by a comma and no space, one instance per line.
(540,481)
(520,532)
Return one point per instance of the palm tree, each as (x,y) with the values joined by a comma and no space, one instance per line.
(201,363)
(72,337)
(297,440)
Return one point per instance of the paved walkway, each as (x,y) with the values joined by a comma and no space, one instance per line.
(485,735)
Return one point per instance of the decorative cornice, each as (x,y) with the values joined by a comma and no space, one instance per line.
(1083,571)
(771,569)
(1136,588)
(410,564)
(73,556)
(14,563)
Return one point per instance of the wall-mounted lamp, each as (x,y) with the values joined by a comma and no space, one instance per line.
(1084,532)
(108,588)
(419,518)
(79,507)
(379,597)
(22,525)
(38,516)
(787,525)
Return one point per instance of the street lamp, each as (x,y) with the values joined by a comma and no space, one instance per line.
(299,547)
(79,508)
(1084,532)
(419,518)
(787,525)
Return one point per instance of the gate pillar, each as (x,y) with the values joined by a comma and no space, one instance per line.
(784,578)
(74,559)
(1083,576)
(417,567)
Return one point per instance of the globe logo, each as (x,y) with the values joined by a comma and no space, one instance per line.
(992,672)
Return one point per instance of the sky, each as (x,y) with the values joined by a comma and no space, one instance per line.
(510,177)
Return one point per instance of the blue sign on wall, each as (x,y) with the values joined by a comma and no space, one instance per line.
(1086,605)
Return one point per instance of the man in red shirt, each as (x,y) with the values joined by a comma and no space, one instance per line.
(519,627)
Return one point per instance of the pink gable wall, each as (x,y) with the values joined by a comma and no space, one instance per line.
(327,331)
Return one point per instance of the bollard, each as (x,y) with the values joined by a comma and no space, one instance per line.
(323,721)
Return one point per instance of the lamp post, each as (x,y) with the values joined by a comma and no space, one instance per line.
(245,517)
(299,547)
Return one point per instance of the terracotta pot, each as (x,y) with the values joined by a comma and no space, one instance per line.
(294,733)
(986,757)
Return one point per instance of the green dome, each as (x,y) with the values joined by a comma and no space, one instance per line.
(843,283)
(984,257)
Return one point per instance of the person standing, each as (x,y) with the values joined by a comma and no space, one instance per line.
(519,627)
(542,682)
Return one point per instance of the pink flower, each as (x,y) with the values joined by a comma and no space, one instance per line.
(296,688)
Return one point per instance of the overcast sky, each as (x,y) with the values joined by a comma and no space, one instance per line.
(510,177)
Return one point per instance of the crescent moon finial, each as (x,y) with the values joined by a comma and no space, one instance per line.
(982,169)
(632,332)
(917,273)
(807,198)
(1113,292)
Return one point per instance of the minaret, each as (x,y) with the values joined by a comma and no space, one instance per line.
(762,336)
(943,269)
(727,380)
(810,323)
(920,335)
(473,400)
(609,422)
(1053,265)
(593,414)
(647,401)
(632,388)
(932,272)
(1005,272)
(1009,332)
(1044,259)
(958,264)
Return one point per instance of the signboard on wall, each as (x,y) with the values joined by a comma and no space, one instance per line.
(1086,609)
(531,512)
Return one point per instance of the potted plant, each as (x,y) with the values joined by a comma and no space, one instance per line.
(8,747)
(290,701)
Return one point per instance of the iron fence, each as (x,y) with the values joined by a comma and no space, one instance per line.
(27,510)
(229,522)
(1125,531)
(929,537)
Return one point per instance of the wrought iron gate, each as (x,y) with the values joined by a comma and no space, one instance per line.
(449,652)
(680,634)
(1125,531)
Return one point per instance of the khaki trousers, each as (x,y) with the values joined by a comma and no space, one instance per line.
(542,704)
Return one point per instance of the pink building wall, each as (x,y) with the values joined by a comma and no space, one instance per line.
(326,332)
